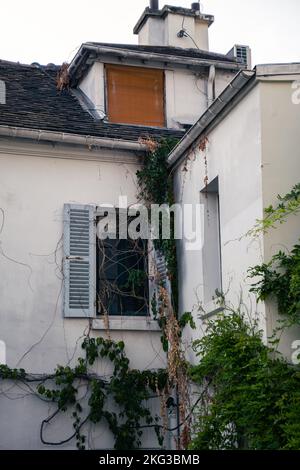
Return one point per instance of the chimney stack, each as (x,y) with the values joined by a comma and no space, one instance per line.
(154,4)
(173,26)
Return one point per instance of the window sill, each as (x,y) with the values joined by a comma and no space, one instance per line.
(126,324)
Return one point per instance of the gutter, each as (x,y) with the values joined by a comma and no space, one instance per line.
(67,138)
(242,79)
(153,56)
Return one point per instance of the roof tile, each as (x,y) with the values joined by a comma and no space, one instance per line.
(33,101)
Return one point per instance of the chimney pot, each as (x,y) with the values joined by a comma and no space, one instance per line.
(196,6)
(154,4)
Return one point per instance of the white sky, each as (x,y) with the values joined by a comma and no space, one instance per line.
(51,30)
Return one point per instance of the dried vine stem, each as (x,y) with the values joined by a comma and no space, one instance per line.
(156,187)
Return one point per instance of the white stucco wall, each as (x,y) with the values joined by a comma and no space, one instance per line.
(254,152)
(223,77)
(280,172)
(163,32)
(198,30)
(186,97)
(93,86)
(185,92)
(234,155)
(281,143)
(153,32)
(35,182)
(202,35)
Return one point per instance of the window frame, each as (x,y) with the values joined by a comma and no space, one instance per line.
(138,66)
(99,279)
(210,196)
(118,323)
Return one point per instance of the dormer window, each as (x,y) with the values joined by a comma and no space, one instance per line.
(135,95)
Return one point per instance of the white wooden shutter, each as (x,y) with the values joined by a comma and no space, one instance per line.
(79,261)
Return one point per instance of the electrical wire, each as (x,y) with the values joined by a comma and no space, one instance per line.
(47,421)
(186,418)
(192,39)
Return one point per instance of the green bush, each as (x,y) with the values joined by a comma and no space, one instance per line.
(251,396)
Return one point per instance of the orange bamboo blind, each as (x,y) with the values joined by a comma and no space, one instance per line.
(135,95)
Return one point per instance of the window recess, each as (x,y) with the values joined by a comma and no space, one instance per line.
(122,276)
(135,95)
(101,277)
(212,279)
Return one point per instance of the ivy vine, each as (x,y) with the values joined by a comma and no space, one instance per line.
(129,389)
(280,279)
(287,205)
(250,399)
(250,395)
(156,187)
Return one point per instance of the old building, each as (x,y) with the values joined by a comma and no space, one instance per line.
(241,153)
(66,148)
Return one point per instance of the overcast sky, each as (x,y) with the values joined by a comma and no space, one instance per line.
(51,30)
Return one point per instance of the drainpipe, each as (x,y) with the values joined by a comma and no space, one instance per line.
(211,85)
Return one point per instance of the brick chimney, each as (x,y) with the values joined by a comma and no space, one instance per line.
(174,26)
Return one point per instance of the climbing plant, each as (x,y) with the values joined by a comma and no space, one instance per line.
(249,400)
(156,187)
(127,388)
(280,279)
(250,395)
(274,215)
(123,399)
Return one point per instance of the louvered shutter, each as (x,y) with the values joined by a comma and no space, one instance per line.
(79,261)
(161,267)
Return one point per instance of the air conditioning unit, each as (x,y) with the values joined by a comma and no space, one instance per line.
(242,54)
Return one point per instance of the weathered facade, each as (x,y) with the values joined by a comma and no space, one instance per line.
(239,156)
(64,150)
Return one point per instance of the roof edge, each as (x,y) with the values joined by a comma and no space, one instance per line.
(148,12)
(87,48)
(239,82)
(69,138)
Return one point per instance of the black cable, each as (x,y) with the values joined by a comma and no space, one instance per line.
(187,34)
(185,419)
(48,420)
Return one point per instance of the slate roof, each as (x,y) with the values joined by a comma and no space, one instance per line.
(179,56)
(188,53)
(33,101)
